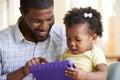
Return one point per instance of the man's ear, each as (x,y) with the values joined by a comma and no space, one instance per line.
(21,11)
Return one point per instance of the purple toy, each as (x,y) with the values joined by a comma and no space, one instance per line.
(52,70)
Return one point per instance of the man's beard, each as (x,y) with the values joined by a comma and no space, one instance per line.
(35,36)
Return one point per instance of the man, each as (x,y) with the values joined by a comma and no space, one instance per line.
(33,40)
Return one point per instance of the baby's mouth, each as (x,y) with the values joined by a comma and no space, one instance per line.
(74,51)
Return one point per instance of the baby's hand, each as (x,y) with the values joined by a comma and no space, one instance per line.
(76,74)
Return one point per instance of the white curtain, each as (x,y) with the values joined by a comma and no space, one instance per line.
(9,13)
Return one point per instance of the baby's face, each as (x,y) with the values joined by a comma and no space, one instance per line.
(78,38)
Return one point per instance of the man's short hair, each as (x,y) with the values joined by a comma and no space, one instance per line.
(36,4)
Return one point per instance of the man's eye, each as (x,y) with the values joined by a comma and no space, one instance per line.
(51,18)
(36,21)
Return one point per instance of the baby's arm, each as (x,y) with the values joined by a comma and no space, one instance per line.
(100,73)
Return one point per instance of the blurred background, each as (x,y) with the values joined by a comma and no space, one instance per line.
(109,9)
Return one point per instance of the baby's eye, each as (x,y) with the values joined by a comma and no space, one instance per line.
(78,40)
(68,38)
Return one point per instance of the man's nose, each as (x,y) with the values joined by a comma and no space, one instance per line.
(44,26)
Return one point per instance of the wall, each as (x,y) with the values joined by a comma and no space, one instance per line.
(9,12)
(3,14)
(61,6)
(117,27)
(59,10)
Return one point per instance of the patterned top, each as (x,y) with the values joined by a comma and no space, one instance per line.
(15,50)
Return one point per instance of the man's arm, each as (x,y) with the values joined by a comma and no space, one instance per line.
(24,71)
(17,75)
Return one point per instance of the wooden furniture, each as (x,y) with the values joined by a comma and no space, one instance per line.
(112,58)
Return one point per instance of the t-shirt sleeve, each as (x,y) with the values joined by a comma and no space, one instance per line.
(62,57)
(99,57)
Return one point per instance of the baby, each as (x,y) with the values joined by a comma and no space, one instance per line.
(83,26)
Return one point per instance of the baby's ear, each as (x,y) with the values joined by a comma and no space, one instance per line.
(94,37)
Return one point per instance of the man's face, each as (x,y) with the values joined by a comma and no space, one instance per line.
(39,22)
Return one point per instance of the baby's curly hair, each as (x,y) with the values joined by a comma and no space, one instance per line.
(84,15)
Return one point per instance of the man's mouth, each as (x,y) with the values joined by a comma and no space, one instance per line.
(42,34)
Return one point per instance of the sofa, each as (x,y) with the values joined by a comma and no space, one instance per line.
(113,71)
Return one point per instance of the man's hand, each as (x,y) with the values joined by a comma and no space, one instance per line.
(25,70)
(31,62)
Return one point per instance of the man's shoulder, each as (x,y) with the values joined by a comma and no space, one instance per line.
(56,27)
(58,30)
(58,34)
(7,31)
